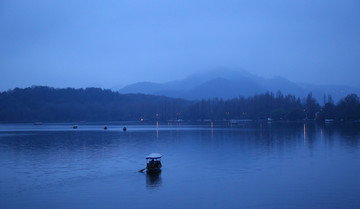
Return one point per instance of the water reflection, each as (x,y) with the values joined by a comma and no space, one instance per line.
(259,162)
(304,134)
(104,143)
(153,180)
(157,129)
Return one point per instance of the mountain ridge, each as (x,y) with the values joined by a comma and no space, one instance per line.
(231,84)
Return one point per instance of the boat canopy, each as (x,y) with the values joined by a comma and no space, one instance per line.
(154,156)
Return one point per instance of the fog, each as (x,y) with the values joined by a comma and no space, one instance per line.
(114,43)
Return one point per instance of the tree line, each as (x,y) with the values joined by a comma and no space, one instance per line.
(46,104)
(269,106)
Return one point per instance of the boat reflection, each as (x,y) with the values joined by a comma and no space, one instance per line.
(153,180)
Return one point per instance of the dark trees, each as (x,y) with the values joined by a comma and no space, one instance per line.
(47,104)
(311,107)
(348,108)
(91,104)
(260,107)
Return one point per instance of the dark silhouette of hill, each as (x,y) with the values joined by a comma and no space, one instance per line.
(231,84)
(47,104)
(224,88)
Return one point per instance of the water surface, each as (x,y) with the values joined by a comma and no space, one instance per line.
(250,165)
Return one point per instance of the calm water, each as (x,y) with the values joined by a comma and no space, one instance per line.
(244,166)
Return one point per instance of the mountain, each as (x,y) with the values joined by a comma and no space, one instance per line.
(142,87)
(230,84)
(223,88)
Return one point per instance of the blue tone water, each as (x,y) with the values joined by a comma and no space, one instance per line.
(250,165)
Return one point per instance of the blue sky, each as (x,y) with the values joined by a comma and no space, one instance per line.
(114,43)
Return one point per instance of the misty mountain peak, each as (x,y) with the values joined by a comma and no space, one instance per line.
(226,84)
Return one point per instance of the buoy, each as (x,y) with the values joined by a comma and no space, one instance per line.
(75,127)
(124,129)
(105,127)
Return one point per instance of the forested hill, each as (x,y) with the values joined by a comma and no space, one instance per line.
(45,104)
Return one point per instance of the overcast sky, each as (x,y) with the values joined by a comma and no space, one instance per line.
(113,43)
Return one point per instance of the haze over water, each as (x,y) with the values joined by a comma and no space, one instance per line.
(249,165)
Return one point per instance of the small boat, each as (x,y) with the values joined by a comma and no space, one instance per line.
(153,163)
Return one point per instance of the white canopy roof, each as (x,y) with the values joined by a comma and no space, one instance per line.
(154,156)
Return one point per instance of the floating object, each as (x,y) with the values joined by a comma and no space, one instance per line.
(38,123)
(153,163)
(329,120)
(124,129)
(105,127)
(75,126)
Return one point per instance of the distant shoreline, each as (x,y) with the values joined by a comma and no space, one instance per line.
(41,104)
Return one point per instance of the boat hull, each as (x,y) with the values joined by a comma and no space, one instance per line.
(153,171)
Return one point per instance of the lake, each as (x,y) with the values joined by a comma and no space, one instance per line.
(247,165)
